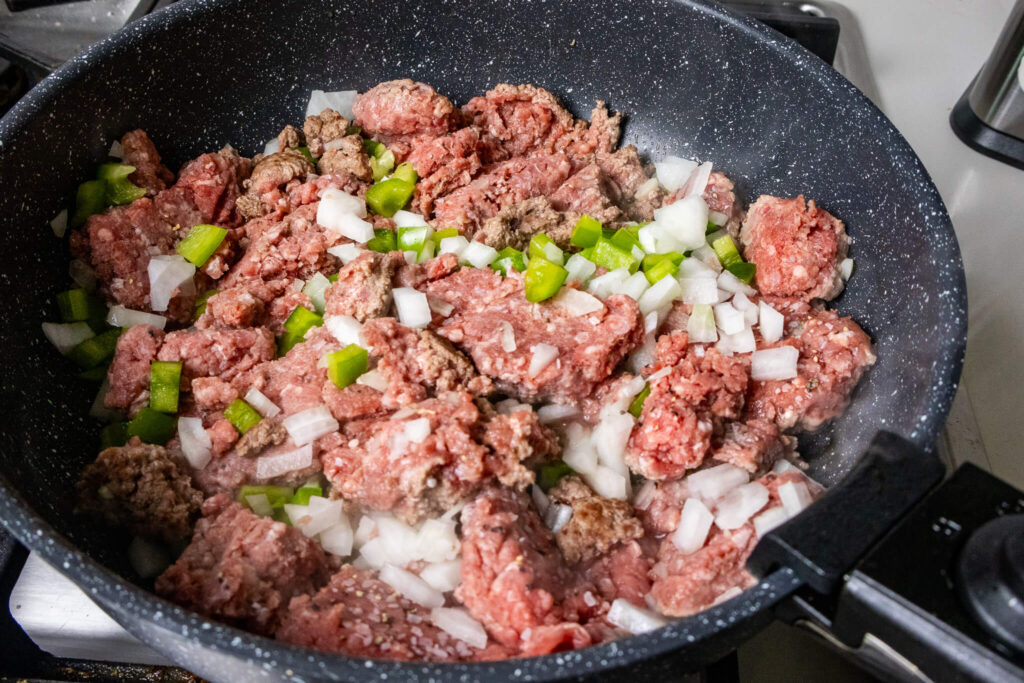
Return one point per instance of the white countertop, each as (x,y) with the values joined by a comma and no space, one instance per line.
(923,54)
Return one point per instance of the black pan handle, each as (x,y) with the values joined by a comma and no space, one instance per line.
(824,543)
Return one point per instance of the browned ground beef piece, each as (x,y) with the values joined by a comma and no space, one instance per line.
(597,523)
(269,175)
(128,373)
(290,137)
(243,569)
(513,576)
(683,408)
(834,353)
(357,614)
(150,172)
(267,432)
(517,223)
(374,462)
(223,353)
(797,248)
(363,289)
(416,362)
(589,346)
(753,445)
(445,164)
(346,156)
(501,185)
(719,196)
(400,113)
(320,129)
(685,584)
(624,173)
(589,192)
(142,488)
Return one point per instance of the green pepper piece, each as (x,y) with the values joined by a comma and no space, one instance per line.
(96,374)
(241,415)
(726,251)
(636,407)
(200,306)
(406,172)
(610,256)
(200,243)
(389,196)
(164,385)
(542,246)
(509,258)
(152,426)
(334,278)
(296,326)
(743,271)
(543,279)
(95,350)
(625,239)
(345,366)
(113,435)
(551,473)
(278,496)
(89,199)
(711,227)
(306,153)
(304,493)
(414,238)
(444,234)
(663,268)
(383,241)
(587,231)
(651,260)
(74,305)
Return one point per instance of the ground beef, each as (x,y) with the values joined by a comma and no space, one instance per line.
(445,164)
(834,353)
(517,223)
(375,463)
(418,362)
(212,393)
(419,275)
(223,353)
(683,408)
(243,569)
(513,577)
(269,175)
(363,289)
(588,192)
(658,507)
(357,614)
(620,573)
(515,180)
(254,303)
(290,137)
(267,432)
(400,113)
(589,346)
(753,445)
(597,523)
(142,488)
(623,174)
(353,402)
(128,374)
(346,156)
(719,196)
(797,248)
(150,173)
(214,182)
(321,129)
(295,381)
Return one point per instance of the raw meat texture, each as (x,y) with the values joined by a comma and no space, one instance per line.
(243,569)
(363,289)
(754,445)
(128,374)
(401,113)
(150,172)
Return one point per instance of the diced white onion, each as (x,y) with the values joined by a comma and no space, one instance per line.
(555,412)
(714,482)
(344,224)
(195,442)
(660,295)
(540,499)
(319,515)
(347,252)
(439,306)
(337,538)
(673,172)
(427,252)
(777,363)
(411,586)
(728,319)
(410,257)
(604,286)
(770,322)
(642,356)
(443,576)
(458,624)
(147,558)
(718,218)
(698,180)
(542,355)
(166,275)
(263,405)
(769,519)
(784,465)
(436,541)
(694,524)
(743,303)
(553,253)
(737,506)
(374,379)
(413,307)
(701,325)
(454,245)
(82,275)
(346,329)
(708,257)
(59,224)
(272,147)
(633,619)
(610,437)
(557,516)
(692,268)
(117,151)
(651,322)
(664,372)
(795,497)
(648,186)
(270,466)
(845,268)
(119,316)
(580,268)
(315,289)
(698,290)
(479,255)
(416,431)
(298,284)
(579,453)
(686,221)
(408,219)
(576,302)
(634,286)
(728,594)
(510,405)
(741,342)
(260,504)
(651,237)
(507,336)
(733,284)
(66,336)
(307,426)
(340,101)
(607,482)
(99,409)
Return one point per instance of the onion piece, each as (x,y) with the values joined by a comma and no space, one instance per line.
(147,558)
(346,329)
(401,541)
(99,410)
(769,519)
(576,302)
(167,274)
(741,342)
(729,320)
(510,405)
(540,499)
(542,356)
(718,218)
(479,255)
(309,425)
(692,268)
(117,150)
(413,307)
(698,180)
(263,405)
(411,586)
(610,437)
(557,516)
(770,322)
(784,465)
(408,219)
(740,504)
(846,266)
(714,482)
(66,336)
(507,336)
(698,290)
(633,619)
(607,482)
(346,253)
(642,356)
(555,412)
(701,324)
(686,221)
(443,576)
(458,624)
(694,524)
(741,302)
(660,295)
(579,268)
(260,504)
(436,541)
(416,431)
(777,363)
(634,286)
(453,245)
(59,224)
(343,224)
(374,379)
(646,187)
(603,286)
(320,515)
(340,101)
(195,442)
(316,287)
(579,453)
(272,147)
(708,257)
(795,497)
(337,538)
(733,284)
(119,316)
(270,466)
(672,172)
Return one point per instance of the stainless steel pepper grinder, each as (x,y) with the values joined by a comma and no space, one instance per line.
(990,115)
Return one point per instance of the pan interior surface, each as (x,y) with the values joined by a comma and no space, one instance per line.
(692,80)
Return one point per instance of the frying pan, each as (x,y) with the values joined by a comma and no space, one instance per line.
(694,80)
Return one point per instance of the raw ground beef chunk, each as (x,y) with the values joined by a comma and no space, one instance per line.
(834,353)
(589,347)
(254,303)
(128,374)
(513,577)
(596,524)
(445,164)
(142,488)
(797,248)
(150,173)
(401,113)
(433,454)
(363,289)
(589,192)
(243,569)
(753,445)
(679,416)
(358,614)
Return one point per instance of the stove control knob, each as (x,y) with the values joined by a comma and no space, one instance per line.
(990,576)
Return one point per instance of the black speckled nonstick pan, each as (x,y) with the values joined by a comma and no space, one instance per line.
(693,80)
